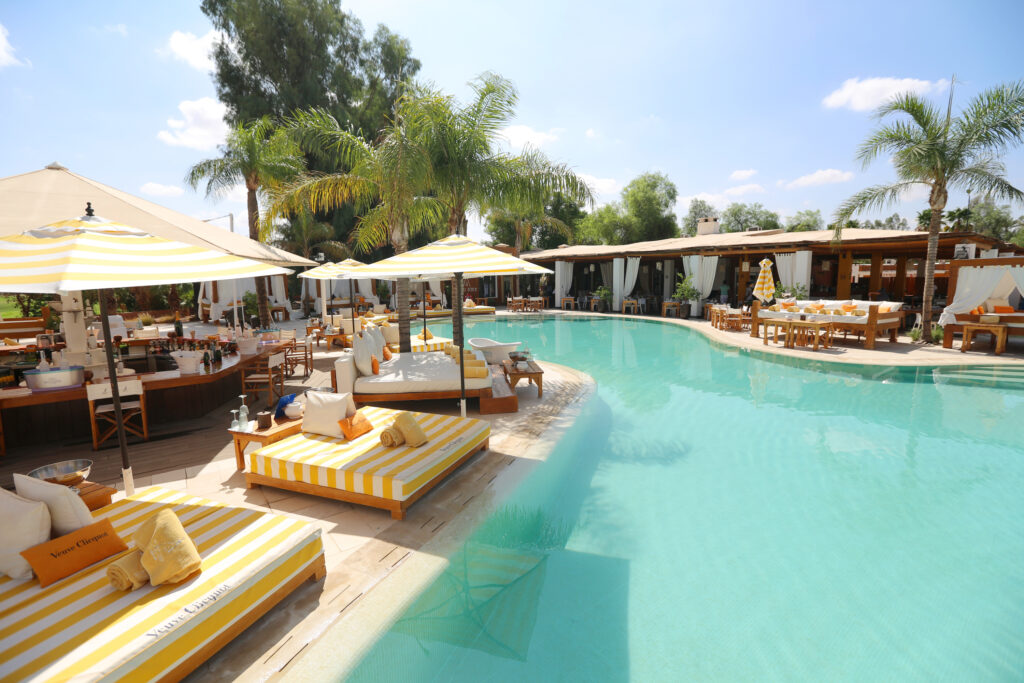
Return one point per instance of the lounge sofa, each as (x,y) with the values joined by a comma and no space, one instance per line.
(868,318)
(82,629)
(407,376)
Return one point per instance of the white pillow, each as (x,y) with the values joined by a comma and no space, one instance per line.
(361,351)
(390,333)
(323,410)
(68,512)
(26,524)
(378,339)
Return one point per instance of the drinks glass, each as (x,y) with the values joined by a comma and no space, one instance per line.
(234,420)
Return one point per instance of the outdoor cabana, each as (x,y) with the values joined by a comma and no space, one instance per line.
(987,295)
(724,264)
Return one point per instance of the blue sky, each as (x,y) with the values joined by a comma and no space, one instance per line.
(735,101)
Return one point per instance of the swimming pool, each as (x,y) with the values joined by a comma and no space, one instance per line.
(715,515)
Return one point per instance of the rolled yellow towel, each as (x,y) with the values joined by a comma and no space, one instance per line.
(410,429)
(391,437)
(428,336)
(469,304)
(475,371)
(10,342)
(168,553)
(127,573)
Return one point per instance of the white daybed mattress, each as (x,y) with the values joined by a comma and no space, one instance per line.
(407,373)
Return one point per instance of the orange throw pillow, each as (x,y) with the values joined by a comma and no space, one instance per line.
(1002,309)
(884,309)
(375,365)
(63,556)
(355,426)
(387,355)
(979,310)
(849,307)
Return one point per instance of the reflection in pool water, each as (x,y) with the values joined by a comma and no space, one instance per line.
(715,515)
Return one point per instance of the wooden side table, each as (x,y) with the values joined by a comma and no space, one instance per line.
(95,495)
(568,300)
(279,430)
(997,330)
(533,375)
(667,306)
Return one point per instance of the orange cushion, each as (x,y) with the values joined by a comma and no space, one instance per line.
(884,309)
(787,305)
(849,307)
(817,307)
(1002,309)
(979,310)
(375,365)
(355,426)
(63,556)
(387,356)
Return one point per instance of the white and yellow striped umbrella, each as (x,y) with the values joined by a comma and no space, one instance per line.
(93,253)
(446,257)
(333,271)
(765,287)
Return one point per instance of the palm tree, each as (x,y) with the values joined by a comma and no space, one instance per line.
(386,182)
(260,157)
(943,153)
(302,234)
(469,173)
(960,219)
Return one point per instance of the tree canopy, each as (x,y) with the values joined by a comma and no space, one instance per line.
(648,200)
(282,55)
(802,221)
(698,209)
(739,217)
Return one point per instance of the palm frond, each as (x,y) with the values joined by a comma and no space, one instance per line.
(992,122)
(987,177)
(874,197)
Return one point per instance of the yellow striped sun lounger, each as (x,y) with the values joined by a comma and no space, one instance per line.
(82,629)
(363,471)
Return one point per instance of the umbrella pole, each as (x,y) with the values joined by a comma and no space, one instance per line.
(462,357)
(108,347)
(423,296)
(234,305)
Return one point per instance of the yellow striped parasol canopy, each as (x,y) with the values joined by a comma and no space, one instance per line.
(446,257)
(765,287)
(93,253)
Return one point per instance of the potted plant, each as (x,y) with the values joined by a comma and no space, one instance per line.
(794,291)
(688,295)
(605,296)
(383,292)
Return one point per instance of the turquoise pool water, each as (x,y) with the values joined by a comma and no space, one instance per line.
(717,516)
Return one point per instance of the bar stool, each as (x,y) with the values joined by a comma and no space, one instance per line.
(570,302)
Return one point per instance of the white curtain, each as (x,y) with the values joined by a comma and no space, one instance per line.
(365,289)
(706,279)
(802,269)
(223,300)
(309,293)
(618,275)
(632,270)
(606,274)
(669,271)
(563,281)
(436,292)
(785,264)
(278,292)
(1017,273)
(974,284)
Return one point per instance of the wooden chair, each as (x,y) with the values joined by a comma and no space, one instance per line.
(288,336)
(133,412)
(631,305)
(300,354)
(267,376)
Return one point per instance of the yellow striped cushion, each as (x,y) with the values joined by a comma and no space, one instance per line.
(81,628)
(364,465)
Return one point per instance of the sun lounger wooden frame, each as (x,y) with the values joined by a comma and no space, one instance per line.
(954,274)
(397,508)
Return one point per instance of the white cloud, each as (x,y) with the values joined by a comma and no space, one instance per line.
(119,29)
(158,190)
(863,95)
(520,136)
(915,193)
(740,190)
(196,51)
(604,188)
(825,176)
(7,57)
(591,133)
(742,174)
(202,127)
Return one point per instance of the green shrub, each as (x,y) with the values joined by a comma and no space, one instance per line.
(937,334)
(146,318)
(915,334)
(685,291)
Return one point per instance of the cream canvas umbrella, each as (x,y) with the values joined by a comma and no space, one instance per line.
(93,253)
(765,287)
(452,258)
